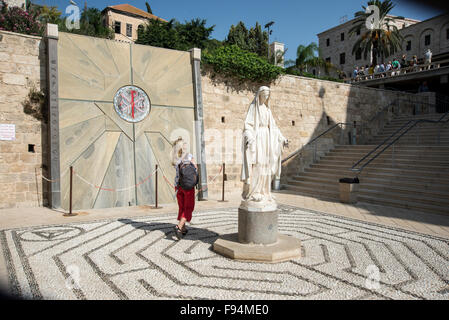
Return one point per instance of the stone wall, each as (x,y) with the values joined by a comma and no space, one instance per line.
(303,109)
(22,66)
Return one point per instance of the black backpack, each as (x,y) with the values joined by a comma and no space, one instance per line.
(188,177)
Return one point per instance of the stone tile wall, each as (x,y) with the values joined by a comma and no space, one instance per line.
(22,66)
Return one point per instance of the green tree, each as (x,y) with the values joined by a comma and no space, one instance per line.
(148,8)
(49,15)
(158,33)
(253,40)
(384,40)
(238,35)
(304,56)
(308,56)
(258,40)
(175,35)
(193,34)
(91,24)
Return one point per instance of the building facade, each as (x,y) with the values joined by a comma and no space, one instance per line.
(125,20)
(336,45)
(277,48)
(16,3)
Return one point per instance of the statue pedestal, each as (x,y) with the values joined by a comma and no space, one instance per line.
(257,239)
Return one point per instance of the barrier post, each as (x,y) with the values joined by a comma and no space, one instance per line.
(70,214)
(156,190)
(223,186)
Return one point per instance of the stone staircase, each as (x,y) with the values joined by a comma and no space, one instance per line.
(416,176)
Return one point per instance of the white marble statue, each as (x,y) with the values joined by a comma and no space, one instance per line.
(262,147)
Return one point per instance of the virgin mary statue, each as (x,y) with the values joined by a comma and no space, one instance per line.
(262,147)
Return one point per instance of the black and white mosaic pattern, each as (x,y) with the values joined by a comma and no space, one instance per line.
(139,258)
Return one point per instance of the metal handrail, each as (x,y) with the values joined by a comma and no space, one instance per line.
(345,123)
(316,138)
(377,115)
(371,152)
(394,141)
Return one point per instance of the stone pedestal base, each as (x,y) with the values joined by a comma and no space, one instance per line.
(258,227)
(284,249)
(257,239)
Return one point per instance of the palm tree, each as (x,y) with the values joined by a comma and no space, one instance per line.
(309,56)
(322,64)
(383,39)
(305,56)
(49,15)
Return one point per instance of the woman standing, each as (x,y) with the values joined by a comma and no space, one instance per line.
(185,181)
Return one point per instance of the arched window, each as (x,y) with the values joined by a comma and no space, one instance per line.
(140,29)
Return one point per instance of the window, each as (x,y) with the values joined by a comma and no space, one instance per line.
(447,34)
(358,54)
(328,42)
(328,60)
(140,29)
(342,36)
(342,58)
(118,27)
(427,40)
(358,32)
(129,30)
(409,45)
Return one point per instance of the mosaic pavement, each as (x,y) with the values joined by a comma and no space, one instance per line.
(139,258)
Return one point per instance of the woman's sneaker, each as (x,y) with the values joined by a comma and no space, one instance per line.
(178,233)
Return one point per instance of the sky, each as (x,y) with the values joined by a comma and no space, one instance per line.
(295,21)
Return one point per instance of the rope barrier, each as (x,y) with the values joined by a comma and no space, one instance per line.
(54,180)
(199,190)
(114,190)
(130,187)
(213,179)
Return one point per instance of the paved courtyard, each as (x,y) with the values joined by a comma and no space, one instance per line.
(139,258)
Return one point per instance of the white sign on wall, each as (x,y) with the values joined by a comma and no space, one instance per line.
(7,132)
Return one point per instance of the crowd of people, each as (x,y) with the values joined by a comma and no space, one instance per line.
(391,68)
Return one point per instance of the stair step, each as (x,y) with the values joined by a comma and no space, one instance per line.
(405,148)
(441,197)
(387,153)
(404,204)
(425,169)
(419,179)
(388,161)
(414,174)
(375,198)
(351,160)
(378,175)
(417,184)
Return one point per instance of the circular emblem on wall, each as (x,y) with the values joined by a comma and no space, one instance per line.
(132,103)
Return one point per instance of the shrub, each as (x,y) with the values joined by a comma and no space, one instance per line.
(234,62)
(18,20)
(35,104)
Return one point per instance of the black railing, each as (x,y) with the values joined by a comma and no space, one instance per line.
(415,123)
(314,140)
